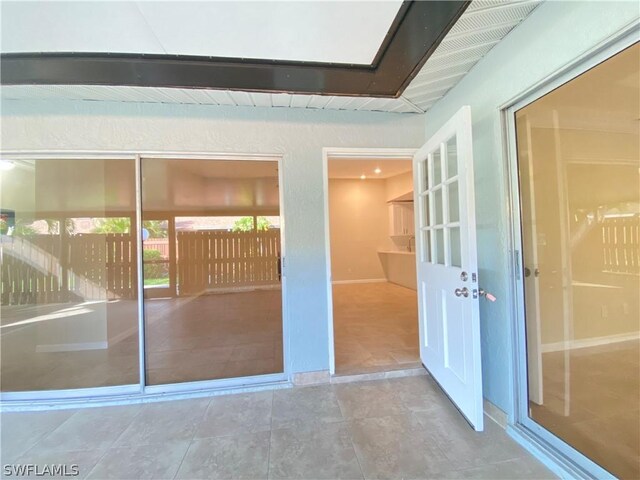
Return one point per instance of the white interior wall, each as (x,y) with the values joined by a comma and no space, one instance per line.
(359,228)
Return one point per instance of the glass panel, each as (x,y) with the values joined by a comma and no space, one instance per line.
(219,315)
(69,278)
(452,158)
(439,246)
(425,209)
(436,168)
(425,172)
(580,221)
(454,202)
(455,247)
(438,207)
(155,254)
(426,236)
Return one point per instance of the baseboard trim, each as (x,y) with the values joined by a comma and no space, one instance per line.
(71,347)
(588,342)
(365,280)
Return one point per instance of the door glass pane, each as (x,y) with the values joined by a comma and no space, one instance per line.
(219,315)
(425,172)
(426,236)
(439,246)
(69,277)
(425,209)
(452,158)
(579,160)
(436,168)
(455,246)
(454,202)
(438,207)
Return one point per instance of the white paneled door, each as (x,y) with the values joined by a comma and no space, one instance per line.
(448,290)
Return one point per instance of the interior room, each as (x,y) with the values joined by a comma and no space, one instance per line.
(373,264)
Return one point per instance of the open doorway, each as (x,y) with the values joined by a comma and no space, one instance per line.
(372,261)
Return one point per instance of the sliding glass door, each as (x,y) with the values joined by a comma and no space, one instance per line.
(213,296)
(210,254)
(578,151)
(68,317)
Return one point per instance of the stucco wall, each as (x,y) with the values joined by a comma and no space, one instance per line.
(556,33)
(297,134)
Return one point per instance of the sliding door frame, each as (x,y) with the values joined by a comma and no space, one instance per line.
(141,392)
(559,455)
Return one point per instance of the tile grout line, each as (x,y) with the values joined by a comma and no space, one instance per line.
(195,430)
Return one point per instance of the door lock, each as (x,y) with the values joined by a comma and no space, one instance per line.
(461,292)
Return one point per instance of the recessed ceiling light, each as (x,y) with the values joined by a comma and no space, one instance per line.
(378,171)
(6,165)
(363,177)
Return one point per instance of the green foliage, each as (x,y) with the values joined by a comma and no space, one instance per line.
(113,225)
(245,224)
(154,270)
(155,228)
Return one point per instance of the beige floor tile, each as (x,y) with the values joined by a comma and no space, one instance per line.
(396,447)
(233,457)
(20,431)
(90,429)
(236,414)
(297,406)
(368,399)
(375,328)
(83,460)
(163,422)
(154,462)
(312,452)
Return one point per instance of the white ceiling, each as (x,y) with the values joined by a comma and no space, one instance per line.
(479,29)
(355,167)
(340,32)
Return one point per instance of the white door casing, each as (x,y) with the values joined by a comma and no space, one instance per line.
(446,261)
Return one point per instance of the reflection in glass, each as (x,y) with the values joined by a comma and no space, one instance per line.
(579,159)
(454,202)
(439,246)
(438,207)
(455,247)
(68,317)
(436,168)
(221,316)
(452,157)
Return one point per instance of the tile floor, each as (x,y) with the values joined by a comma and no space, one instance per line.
(375,327)
(395,428)
(188,339)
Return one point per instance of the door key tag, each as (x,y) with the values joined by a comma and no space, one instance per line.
(487,295)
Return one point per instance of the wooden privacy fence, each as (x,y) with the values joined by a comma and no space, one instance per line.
(621,244)
(53,269)
(213,259)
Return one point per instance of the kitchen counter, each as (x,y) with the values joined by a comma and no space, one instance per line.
(399,267)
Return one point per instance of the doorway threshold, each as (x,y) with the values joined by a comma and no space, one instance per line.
(348,377)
